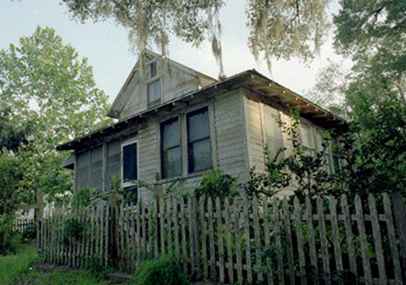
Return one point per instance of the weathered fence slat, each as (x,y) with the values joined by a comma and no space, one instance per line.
(363,240)
(229,240)
(267,241)
(312,240)
(257,238)
(204,238)
(349,234)
(376,232)
(323,240)
(220,238)
(237,241)
(289,240)
(300,242)
(336,234)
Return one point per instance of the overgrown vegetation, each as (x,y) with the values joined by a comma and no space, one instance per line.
(165,270)
(217,184)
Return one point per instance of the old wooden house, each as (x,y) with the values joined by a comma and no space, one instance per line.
(176,123)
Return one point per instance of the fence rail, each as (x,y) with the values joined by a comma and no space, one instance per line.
(241,241)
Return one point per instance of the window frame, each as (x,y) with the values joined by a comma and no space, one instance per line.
(177,118)
(151,79)
(124,144)
(189,170)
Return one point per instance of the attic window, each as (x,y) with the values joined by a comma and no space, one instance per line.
(154,92)
(152,68)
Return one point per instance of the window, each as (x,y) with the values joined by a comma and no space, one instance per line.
(171,152)
(309,137)
(199,149)
(154,92)
(152,69)
(129,163)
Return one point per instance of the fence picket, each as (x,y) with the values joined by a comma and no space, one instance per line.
(278,231)
(257,238)
(392,238)
(238,239)
(246,223)
(204,238)
(323,241)
(289,240)
(300,242)
(349,237)
(376,232)
(336,234)
(363,240)
(220,238)
(267,241)
(229,240)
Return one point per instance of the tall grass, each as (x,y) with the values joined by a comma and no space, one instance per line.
(12,266)
(17,270)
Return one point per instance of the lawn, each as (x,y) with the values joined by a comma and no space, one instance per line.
(18,270)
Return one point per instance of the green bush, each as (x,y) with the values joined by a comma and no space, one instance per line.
(165,270)
(74,229)
(217,184)
(9,240)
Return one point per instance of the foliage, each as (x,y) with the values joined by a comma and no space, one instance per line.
(217,184)
(45,84)
(304,171)
(283,29)
(83,198)
(154,21)
(278,29)
(328,91)
(165,270)
(12,132)
(72,229)
(19,269)
(275,178)
(12,266)
(9,240)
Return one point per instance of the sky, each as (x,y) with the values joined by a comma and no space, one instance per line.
(106,45)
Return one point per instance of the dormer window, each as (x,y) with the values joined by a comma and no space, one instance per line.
(153,85)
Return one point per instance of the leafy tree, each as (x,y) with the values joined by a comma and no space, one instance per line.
(46,85)
(277,28)
(328,91)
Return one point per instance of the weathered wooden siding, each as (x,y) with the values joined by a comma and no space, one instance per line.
(230,134)
(226,113)
(175,81)
(257,125)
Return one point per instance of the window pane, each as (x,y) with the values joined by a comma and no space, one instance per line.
(170,134)
(198,125)
(130,162)
(152,69)
(199,155)
(171,162)
(154,91)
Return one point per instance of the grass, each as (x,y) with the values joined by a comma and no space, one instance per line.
(17,270)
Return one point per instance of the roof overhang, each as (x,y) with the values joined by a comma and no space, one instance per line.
(261,86)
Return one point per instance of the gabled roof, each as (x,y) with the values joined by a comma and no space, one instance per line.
(260,85)
(119,101)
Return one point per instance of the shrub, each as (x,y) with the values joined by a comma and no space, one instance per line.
(9,240)
(217,184)
(165,270)
(73,229)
